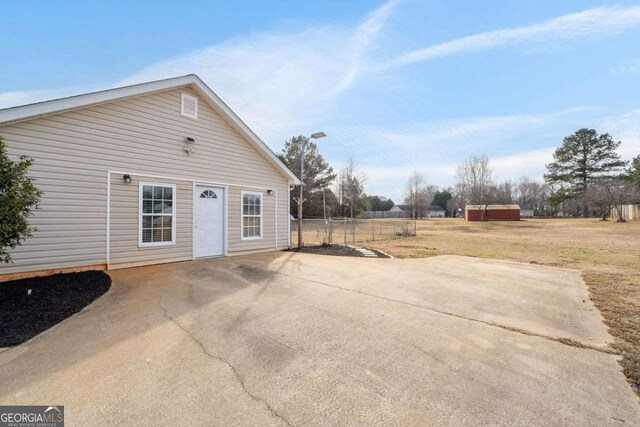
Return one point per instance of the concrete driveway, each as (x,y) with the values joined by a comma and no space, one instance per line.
(302,339)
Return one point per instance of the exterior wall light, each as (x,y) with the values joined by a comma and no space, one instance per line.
(269,192)
(190,139)
(126,178)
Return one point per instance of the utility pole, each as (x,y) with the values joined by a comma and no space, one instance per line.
(324,206)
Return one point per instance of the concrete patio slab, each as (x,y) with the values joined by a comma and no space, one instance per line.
(299,339)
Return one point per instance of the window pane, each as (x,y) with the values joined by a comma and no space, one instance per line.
(157,200)
(245,209)
(157,192)
(257,231)
(166,221)
(257,210)
(147,191)
(245,199)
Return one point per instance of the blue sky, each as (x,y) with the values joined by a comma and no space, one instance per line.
(399,86)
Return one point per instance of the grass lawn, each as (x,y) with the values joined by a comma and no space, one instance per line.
(607,253)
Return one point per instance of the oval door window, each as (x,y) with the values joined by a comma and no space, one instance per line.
(208,194)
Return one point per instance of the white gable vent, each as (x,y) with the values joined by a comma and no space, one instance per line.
(189,106)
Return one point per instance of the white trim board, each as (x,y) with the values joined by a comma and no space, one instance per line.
(242,215)
(199,181)
(174,203)
(55,106)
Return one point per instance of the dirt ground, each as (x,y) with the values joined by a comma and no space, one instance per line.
(607,253)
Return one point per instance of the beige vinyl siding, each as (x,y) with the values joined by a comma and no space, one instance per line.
(125,214)
(268,221)
(143,135)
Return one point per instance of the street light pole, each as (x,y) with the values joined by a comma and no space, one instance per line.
(303,146)
(324,206)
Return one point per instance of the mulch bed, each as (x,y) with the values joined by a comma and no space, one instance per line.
(336,250)
(53,299)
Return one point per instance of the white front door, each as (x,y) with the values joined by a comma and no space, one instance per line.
(208,216)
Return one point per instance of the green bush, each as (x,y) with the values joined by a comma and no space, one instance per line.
(19,197)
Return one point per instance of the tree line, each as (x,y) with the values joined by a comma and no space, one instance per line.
(587,177)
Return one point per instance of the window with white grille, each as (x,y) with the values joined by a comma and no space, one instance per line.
(189,106)
(157,214)
(251,216)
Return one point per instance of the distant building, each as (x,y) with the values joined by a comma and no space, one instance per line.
(526,213)
(395,212)
(435,211)
(492,213)
(629,212)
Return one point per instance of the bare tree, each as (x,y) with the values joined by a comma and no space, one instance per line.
(530,194)
(412,190)
(475,180)
(607,194)
(418,195)
(502,193)
(350,186)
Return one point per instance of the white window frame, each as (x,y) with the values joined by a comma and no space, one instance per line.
(184,96)
(242,215)
(173,213)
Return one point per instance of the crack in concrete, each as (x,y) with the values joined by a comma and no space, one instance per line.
(233,369)
(563,340)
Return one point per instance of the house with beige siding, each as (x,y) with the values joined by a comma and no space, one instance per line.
(151,173)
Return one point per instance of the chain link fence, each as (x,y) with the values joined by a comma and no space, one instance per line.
(341,231)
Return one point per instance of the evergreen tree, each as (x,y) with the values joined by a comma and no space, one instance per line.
(583,158)
(318,174)
(18,198)
(441,198)
(633,172)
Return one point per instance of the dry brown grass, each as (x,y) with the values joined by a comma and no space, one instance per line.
(607,253)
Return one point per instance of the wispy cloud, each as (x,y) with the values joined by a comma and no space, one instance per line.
(281,83)
(532,138)
(625,128)
(588,24)
(627,68)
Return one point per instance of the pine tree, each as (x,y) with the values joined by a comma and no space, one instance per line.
(318,174)
(18,198)
(633,172)
(583,158)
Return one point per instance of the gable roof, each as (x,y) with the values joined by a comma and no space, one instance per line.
(55,106)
